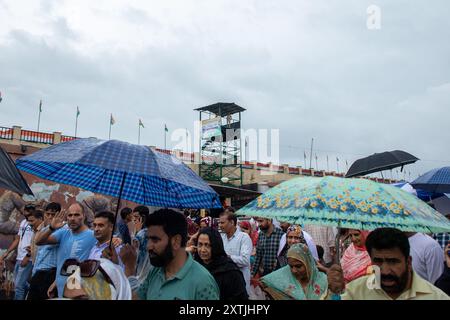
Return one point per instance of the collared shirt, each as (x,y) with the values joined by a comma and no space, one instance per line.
(427,257)
(192,282)
(266,251)
(44,256)
(324,237)
(360,289)
(442,239)
(97,250)
(239,247)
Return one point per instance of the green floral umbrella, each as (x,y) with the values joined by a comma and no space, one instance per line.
(346,203)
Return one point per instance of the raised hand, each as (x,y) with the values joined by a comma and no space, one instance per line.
(335,277)
(58,220)
(128,255)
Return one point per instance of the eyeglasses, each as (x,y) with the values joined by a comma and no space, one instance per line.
(88,268)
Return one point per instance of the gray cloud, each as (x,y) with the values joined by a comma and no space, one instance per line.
(309,69)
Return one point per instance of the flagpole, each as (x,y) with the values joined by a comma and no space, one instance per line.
(165,134)
(39,117)
(328,165)
(76,123)
(110,124)
(139,134)
(310,156)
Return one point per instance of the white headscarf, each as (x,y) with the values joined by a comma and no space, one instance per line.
(122,290)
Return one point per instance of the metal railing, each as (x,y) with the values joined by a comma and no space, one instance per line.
(36,137)
(6,133)
(67,138)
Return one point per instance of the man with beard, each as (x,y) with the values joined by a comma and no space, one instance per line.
(267,247)
(175,276)
(395,279)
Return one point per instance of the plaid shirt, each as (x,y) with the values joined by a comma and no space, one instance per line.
(442,239)
(266,252)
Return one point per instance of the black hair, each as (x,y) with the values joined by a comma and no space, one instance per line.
(38,214)
(320,252)
(230,209)
(144,212)
(105,214)
(30,208)
(125,212)
(172,222)
(53,206)
(231,216)
(217,249)
(387,238)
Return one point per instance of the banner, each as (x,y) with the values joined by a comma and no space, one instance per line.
(211,128)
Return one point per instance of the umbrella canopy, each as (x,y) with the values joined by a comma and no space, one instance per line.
(436,180)
(10,177)
(347,203)
(123,170)
(379,162)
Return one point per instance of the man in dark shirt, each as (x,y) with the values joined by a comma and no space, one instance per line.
(266,247)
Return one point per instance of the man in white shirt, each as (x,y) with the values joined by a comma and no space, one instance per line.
(103,228)
(427,256)
(237,244)
(23,267)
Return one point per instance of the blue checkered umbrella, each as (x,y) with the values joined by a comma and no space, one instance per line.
(122,170)
(436,180)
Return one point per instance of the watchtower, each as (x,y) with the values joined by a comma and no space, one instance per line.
(220,143)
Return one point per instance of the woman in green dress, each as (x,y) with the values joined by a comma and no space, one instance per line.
(299,280)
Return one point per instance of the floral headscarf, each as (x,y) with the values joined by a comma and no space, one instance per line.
(282,284)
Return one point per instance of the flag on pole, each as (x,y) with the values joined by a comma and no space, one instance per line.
(40,106)
(1,96)
(165,128)
(112,121)
(337,159)
(141,124)
(78,111)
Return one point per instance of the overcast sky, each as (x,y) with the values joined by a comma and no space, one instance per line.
(312,69)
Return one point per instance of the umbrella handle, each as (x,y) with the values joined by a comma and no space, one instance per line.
(117,209)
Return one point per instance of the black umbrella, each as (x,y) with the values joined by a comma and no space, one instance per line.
(10,176)
(379,162)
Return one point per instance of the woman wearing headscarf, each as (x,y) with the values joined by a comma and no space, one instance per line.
(299,280)
(211,254)
(356,261)
(107,283)
(294,234)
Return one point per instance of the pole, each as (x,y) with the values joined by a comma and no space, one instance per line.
(109,138)
(337,164)
(317,166)
(165,134)
(76,124)
(117,209)
(139,134)
(39,117)
(304,157)
(310,156)
(328,165)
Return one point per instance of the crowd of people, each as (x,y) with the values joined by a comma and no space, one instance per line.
(166,254)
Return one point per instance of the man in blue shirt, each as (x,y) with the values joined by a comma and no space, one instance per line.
(44,259)
(74,242)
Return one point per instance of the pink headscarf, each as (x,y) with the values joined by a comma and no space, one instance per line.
(356,260)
